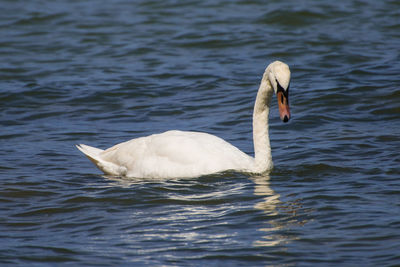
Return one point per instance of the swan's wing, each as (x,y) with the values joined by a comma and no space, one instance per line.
(176,153)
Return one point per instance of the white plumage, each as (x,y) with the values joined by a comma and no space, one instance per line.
(170,154)
(191,154)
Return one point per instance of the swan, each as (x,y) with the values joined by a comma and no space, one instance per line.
(175,153)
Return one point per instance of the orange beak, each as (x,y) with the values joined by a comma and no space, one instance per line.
(283,103)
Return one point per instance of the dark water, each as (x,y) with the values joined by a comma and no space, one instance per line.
(102,72)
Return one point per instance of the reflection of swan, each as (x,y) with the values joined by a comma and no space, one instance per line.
(269,206)
(271,199)
(282,215)
(191,154)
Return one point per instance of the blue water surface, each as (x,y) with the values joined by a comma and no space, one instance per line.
(103,72)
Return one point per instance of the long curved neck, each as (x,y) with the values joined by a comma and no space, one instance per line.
(262,147)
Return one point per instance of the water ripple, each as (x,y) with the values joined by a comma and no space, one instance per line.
(84,72)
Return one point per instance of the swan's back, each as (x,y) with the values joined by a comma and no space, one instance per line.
(174,154)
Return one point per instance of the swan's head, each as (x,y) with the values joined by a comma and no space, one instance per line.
(279,77)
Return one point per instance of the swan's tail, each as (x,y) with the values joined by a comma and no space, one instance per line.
(94,154)
(91,152)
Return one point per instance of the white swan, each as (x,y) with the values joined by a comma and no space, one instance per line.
(191,154)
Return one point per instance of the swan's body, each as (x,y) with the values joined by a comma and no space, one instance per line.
(191,154)
(170,154)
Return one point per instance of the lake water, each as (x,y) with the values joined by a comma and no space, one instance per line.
(103,72)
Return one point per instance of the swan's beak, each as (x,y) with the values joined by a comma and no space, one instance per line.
(283,103)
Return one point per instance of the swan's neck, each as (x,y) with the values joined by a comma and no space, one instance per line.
(262,148)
